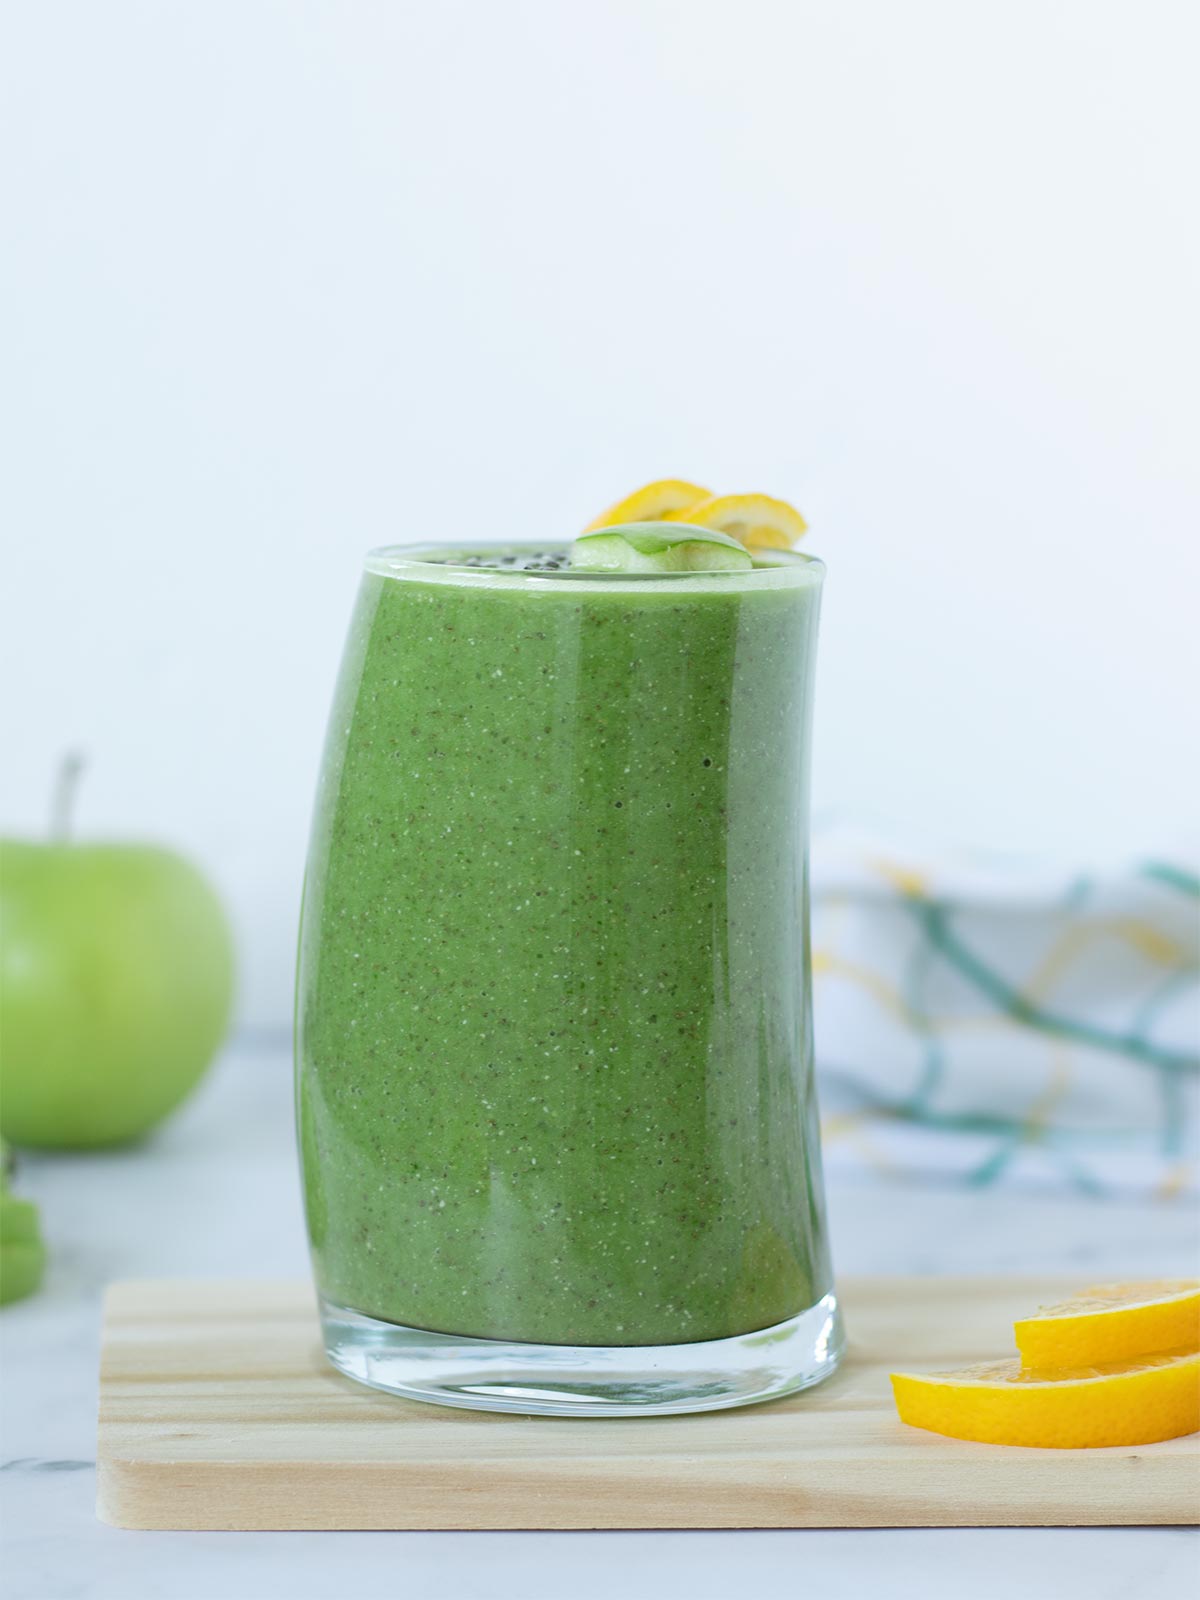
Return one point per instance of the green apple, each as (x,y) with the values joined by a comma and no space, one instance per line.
(116,980)
(22,1253)
(658,547)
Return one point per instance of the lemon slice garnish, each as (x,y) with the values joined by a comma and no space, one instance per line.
(758,521)
(651,503)
(1116,1322)
(1003,1403)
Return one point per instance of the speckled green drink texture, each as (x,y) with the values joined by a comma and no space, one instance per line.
(554,1048)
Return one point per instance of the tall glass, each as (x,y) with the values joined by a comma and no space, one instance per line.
(555,1094)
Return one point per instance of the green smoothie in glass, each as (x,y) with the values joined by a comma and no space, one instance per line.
(554,1048)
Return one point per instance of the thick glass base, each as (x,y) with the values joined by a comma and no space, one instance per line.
(586,1380)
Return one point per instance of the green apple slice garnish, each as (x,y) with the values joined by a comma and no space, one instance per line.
(658,547)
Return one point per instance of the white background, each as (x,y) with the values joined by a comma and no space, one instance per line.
(283,280)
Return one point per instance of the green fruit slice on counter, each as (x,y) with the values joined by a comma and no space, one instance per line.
(658,547)
(22,1253)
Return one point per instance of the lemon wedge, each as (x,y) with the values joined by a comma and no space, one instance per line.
(1003,1403)
(1116,1322)
(756,520)
(651,503)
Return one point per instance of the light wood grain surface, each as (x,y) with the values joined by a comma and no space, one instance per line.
(219,1411)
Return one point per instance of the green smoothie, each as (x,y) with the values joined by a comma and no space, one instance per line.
(554,1048)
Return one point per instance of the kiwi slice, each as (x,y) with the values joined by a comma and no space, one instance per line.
(658,547)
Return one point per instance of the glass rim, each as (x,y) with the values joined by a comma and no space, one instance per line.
(773,569)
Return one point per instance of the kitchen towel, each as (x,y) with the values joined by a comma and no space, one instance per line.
(980,1019)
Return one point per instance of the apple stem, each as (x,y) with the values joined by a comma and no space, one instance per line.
(66,786)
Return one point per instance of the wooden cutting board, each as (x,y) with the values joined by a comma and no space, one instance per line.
(218,1410)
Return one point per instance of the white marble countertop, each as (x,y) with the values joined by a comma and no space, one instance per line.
(216,1194)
